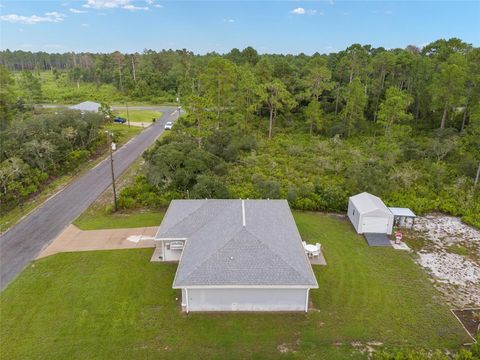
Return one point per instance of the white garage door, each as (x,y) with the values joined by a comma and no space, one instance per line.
(375,225)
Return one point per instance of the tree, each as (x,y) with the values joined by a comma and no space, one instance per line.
(277,98)
(448,86)
(394,108)
(198,107)
(31,87)
(7,98)
(75,75)
(382,64)
(249,94)
(355,101)
(314,112)
(318,79)
(219,82)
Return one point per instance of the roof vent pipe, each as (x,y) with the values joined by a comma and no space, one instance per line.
(243,213)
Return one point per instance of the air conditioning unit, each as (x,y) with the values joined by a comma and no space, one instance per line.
(176,245)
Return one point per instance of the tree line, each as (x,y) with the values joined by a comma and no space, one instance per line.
(401,123)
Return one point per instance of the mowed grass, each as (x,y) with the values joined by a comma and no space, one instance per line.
(92,219)
(139,115)
(118,305)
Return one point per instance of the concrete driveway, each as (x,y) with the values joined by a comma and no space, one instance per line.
(74,239)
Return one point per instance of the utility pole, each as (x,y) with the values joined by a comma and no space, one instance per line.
(112,147)
(128,115)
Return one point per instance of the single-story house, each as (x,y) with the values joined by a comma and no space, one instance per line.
(369,214)
(236,255)
(86,106)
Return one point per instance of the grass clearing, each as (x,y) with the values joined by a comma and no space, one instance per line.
(96,220)
(118,305)
(459,250)
(139,115)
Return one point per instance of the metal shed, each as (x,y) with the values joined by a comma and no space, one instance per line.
(369,214)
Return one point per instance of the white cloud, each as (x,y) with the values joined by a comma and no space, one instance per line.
(388,12)
(135,8)
(158,6)
(76,11)
(298,11)
(149,2)
(86,25)
(113,4)
(229,20)
(302,11)
(105,4)
(52,17)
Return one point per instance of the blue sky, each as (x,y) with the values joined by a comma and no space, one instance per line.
(204,26)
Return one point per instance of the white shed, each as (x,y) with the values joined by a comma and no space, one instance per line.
(369,214)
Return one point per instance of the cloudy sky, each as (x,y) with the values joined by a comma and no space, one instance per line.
(203,26)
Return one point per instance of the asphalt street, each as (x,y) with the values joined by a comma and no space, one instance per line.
(24,241)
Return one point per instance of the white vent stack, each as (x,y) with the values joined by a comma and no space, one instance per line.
(243,213)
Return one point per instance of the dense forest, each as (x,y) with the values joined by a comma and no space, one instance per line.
(403,124)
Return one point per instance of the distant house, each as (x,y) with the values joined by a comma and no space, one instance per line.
(236,255)
(369,214)
(86,106)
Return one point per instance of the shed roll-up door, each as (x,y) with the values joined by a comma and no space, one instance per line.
(375,225)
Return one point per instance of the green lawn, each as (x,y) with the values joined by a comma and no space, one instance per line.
(95,220)
(118,305)
(139,115)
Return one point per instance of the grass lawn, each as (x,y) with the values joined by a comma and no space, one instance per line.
(118,305)
(139,115)
(96,220)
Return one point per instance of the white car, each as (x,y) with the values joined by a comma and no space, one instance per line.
(168,125)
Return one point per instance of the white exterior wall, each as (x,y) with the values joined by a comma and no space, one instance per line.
(169,255)
(353,215)
(245,299)
(375,214)
(358,218)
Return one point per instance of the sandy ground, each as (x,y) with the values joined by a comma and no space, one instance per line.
(74,239)
(455,273)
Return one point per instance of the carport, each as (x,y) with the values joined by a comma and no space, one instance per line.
(401,216)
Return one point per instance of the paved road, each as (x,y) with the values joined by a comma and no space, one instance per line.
(117,107)
(23,242)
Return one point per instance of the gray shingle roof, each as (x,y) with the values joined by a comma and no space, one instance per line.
(220,251)
(86,106)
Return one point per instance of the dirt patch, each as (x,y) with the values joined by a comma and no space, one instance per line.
(450,252)
(470,318)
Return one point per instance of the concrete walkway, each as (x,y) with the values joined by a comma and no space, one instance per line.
(74,239)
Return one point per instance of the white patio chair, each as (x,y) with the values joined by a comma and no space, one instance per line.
(316,253)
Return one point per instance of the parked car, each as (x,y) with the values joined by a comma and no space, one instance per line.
(168,125)
(119,119)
